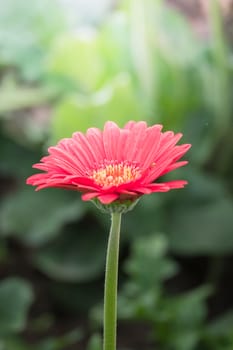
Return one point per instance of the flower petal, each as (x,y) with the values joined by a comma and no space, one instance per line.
(108,198)
(150,145)
(89,196)
(111,135)
(174,166)
(134,142)
(167,186)
(95,138)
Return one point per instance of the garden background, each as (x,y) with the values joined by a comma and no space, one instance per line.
(69,65)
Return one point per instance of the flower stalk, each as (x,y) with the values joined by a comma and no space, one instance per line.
(111,282)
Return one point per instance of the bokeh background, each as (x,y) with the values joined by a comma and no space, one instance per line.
(68,65)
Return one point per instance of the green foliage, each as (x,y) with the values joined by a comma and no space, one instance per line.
(16,297)
(201,219)
(95,342)
(176,321)
(74,256)
(91,58)
(203,228)
(13,97)
(51,343)
(59,343)
(116,101)
(77,298)
(37,30)
(26,216)
(81,48)
(147,253)
(16,160)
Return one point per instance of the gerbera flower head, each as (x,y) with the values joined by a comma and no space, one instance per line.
(113,167)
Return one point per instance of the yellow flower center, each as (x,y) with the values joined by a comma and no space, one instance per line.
(115,174)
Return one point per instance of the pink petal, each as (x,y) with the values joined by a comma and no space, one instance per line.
(167,186)
(95,139)
(174,166)
(150,146)
(158,187)
(130,125)
(122,145)
(176,184)
(108,198)
(168,141)
(111,135)
(89,196)
(161,165)
(83,150)
(134,142)
(64,160)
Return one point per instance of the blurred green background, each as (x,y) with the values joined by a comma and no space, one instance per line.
(69,65)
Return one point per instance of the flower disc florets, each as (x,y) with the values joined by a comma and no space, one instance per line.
(114,173)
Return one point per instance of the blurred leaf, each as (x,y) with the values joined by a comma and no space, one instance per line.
(202,188)
(198,131)
(185,340)
(148,252)
(150,209)
(142,49)
(38,217)
(117,101)
(176,321)
(222,97)
(16,160)
(14,97)
(140,296)
(77,57)
(13,343)
(172,29)
(77,298)
(15,299)
(37,30)
(95,342)
(74,256)
(189,308)
(176,101)
(200,216)
(42,323)
(114,44)
(92,58)
(216,89)
(168,79)
(219,333)
(223,325)
(179,321)
(3,250)
(203,228)
(60,342)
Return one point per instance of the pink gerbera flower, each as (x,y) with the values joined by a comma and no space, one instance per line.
(113,165)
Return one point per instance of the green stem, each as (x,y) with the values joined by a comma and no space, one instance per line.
(111,279)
